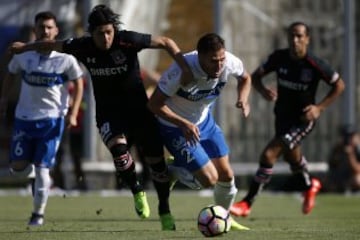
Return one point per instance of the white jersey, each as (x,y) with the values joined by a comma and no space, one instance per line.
(44,92)
(193,101)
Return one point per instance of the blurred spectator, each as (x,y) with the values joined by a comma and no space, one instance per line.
(344,161)
(72,141)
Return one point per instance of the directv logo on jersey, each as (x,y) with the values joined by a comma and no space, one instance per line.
(108,71)
(293,85)
(43,80)
(197,95)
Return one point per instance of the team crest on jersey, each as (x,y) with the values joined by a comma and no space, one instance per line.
(306,75)
(118,57)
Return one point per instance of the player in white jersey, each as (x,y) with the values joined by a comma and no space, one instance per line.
(188,128)
(42,110)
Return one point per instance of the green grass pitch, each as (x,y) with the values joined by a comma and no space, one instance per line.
(92,216)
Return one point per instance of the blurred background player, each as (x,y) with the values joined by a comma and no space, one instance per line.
(298,75)
(187,125)
(41,110)
(344,162)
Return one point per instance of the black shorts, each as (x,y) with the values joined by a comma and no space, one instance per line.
(138,124)
(292,130)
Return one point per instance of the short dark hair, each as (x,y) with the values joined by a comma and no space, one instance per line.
(46,15)
(210,42)
(102,15)
(299,23)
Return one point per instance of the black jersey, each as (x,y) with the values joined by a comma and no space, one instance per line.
(297,80)
(115,73)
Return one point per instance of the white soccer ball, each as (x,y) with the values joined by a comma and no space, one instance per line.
(214,220)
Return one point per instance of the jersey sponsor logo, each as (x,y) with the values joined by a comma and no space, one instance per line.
(196,95)
(43,79)
(108,71)
(292,85)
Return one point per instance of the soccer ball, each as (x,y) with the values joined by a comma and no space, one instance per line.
(214,220)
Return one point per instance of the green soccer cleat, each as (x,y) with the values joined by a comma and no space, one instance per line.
(141,205)
(237,226)
(167,222)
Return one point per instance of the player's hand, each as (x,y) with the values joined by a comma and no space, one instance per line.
(269,94)
(245,108)
(311,113)
(71,121)
(191,133)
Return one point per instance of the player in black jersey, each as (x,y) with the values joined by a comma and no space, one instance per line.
(298,75)
(111,57)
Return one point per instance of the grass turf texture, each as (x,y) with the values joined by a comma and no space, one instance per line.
(90,216)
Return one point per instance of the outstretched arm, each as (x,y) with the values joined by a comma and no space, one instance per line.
(174,51)
(20,47)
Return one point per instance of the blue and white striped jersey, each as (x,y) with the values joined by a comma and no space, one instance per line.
(194,101)
(44,92)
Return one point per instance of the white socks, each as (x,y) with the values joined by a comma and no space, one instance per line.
(225,193)
(42,186)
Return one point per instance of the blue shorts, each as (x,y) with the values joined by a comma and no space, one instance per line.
(212,145)
(36,141)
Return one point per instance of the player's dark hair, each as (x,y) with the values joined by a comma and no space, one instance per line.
(299,23)
(210,42)
(102,15)
(46,15)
